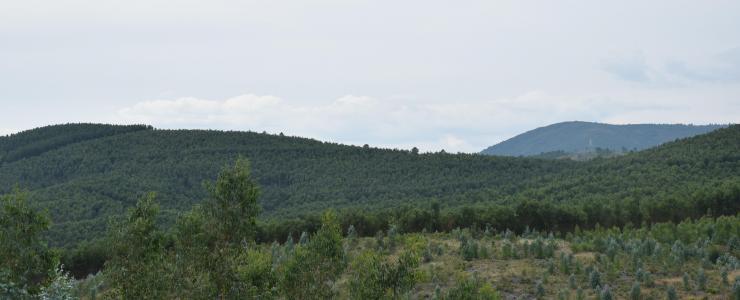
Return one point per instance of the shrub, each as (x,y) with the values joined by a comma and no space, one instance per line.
(606,293)
(373,277)
(686,282)
(701,280)
(595,279)
(539,290)
(671,293)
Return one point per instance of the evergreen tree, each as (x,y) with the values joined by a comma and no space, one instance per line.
(635,291)
(595,279)
(671,293)
(701,280)
(686,281)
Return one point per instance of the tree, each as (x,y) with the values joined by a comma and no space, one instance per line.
(230,215)
(595,279)
(136,268)
(671,293)
(373,277)
(25,259)
(701,280)
(315,265)
(61,287)
(635,291)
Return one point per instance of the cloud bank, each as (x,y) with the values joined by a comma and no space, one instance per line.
(398,122)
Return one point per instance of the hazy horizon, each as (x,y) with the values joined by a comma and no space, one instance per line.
(426,74)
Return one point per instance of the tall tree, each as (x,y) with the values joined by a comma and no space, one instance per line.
(136,269)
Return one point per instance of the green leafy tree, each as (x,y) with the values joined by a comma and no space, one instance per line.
(374,277)
(136,268)
(25,260)
(312,270)
(230,214)
(61,287)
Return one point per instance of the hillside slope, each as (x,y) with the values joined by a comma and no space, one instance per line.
(84,183)
(579,137)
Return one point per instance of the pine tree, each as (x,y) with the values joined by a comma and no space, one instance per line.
(686,282)
(572,281)
(635,291)
(595,279)
(606,293)
(579,294)
(701,280)
(303,240)
(671,293)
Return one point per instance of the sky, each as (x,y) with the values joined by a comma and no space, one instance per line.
(452,75)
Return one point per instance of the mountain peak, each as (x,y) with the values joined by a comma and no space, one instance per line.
(582,136)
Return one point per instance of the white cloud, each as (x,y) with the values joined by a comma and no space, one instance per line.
(402,122)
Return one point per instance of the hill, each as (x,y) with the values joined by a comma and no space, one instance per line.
(89,178)
(587,137)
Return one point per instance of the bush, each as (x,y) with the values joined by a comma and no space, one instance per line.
(472,289)
(671,293)
(373,277)
(595,279)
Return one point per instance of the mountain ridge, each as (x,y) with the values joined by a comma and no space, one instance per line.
(583,137)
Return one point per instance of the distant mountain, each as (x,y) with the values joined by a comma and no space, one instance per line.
(588,137)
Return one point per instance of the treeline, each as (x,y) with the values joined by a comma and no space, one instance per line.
(690,202)
(85,183)
(36,141)
(524,215)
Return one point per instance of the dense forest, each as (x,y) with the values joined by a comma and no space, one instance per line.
(83,174)
(578,137)
(212,252)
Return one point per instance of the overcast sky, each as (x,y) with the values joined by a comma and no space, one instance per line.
(453,75)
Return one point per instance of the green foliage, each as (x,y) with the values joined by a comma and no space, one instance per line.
(254,271)
(61,287)
(136,268)
(94,173)
(315,266)
(26,263)
(374,277)
(472,289)
(230,214)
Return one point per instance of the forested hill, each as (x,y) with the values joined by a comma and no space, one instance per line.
(580,137)
(84,181)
